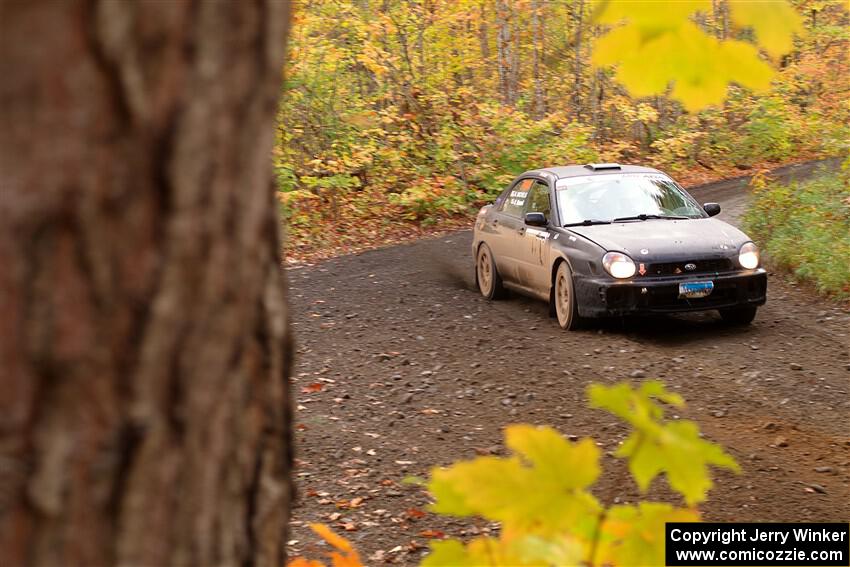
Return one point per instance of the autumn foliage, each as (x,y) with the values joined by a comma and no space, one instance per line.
(403,116)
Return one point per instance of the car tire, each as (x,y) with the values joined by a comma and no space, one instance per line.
(486,275)
(739,315)
(564,299)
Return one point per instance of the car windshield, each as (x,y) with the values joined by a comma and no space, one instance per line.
(623,196)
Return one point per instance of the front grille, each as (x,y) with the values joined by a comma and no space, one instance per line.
(712,266)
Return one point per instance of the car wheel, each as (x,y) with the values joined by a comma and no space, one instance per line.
(486,274)
(739,315)
(566,307)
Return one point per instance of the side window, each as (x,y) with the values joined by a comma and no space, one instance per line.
(515,199)
(538,200)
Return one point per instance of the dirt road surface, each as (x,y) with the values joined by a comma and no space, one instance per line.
(418,370)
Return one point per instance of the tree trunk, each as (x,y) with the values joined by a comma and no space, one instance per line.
(539,103)
(578,64)
(144,345)
(505,52)
(513,83)
(484,41)
(422,21)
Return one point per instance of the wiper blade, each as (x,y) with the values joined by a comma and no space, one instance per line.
(644,216)
(588,222)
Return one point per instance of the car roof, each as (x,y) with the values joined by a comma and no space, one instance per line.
(564,171)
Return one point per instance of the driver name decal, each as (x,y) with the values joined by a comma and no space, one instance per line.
(520,192)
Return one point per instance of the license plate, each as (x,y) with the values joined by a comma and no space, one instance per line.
(693,290)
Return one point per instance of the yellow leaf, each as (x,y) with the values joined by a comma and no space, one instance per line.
(570,465)
(558,550)
(774,23)
(634,535)
(659,45)
(479,552)
(675,448)
(650,14)
(744,66)
(657,446)
(610,48)
(543,490)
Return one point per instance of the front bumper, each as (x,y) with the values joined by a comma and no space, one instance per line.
(600,297)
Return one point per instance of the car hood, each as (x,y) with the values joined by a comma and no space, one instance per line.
(659,240)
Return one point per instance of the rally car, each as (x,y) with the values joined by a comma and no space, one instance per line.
(611,240)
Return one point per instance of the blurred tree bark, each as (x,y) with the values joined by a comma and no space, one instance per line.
(144,345)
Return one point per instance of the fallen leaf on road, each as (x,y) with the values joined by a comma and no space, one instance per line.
(348,504)
(312,388)
(432,534)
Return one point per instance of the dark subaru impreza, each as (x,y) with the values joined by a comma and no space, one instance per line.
(608,240)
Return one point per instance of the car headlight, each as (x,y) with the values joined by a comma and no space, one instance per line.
(618,265)
(748,256)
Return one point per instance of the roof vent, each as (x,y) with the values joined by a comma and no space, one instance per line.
(602,166)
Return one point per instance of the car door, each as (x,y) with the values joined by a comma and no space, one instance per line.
(507,228)
(533,244)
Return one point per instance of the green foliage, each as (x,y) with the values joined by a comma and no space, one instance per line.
(657,47)
(510,142)
(769,131)
(805,229)
(541,495)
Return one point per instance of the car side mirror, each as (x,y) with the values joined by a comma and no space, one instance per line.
(535,219)
(711,208)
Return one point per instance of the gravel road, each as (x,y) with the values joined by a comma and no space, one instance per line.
(416,369)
